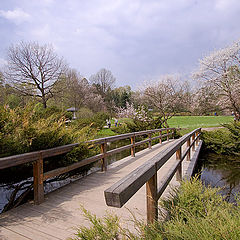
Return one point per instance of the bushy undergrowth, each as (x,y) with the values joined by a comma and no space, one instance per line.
(226,141)
(33,128)
(193,212)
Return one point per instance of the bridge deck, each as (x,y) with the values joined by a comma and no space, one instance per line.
(60,213)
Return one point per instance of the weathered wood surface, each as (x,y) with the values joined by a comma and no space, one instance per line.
(60,212)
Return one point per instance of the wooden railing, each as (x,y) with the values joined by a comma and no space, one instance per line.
(37,158)
(119,193)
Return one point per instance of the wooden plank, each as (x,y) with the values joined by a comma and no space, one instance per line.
(179,170)
(30,233)
(119,193)
(152,204)
(150,140)
(38,180)
(189,150)
(117,150)
(133,146)
(103,159)
(71,167)
(38,226)
(6,234)
(141,142)
(166,180)
(18,159)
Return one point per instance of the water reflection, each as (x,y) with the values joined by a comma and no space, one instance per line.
(221,171)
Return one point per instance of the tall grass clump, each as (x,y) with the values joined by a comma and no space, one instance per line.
(193,211)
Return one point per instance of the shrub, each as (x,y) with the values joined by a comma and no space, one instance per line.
(226,141)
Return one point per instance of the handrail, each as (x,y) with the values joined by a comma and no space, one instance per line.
(120,192)
(37,157)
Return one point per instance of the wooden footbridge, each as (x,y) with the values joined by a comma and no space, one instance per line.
(118,188)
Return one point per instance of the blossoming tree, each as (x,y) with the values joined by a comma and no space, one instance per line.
(220,72)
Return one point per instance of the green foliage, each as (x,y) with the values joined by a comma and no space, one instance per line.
(193,212)
(97,121)
(223,141)
(106,228)
(34,128)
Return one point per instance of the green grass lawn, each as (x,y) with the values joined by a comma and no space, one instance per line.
(187,123)
(190,123)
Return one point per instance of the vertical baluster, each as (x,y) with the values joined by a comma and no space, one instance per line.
(160,136)
(189,151)
(152,206)
(150,140)
(133,146)
(104,160)
(179,170)
(38,187)
(167,135)
(193,137)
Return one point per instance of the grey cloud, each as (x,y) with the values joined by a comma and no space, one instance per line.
(134,39)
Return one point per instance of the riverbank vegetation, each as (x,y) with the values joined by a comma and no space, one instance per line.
(224,141)
(193,211)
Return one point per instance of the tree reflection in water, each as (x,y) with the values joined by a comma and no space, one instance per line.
(221,171)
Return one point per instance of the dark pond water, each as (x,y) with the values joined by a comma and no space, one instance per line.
(221,171)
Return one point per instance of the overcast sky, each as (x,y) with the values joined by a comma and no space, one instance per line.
(136,39)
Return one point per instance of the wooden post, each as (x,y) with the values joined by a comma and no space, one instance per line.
(189,151)
(160,137)
(38,180)
(104,160)
(167,135)
(197,141)
(152,206)
(150,140)
(179,170)
(133,146)
(193,137)
(173,134)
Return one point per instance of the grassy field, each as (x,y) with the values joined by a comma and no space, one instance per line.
(187,123)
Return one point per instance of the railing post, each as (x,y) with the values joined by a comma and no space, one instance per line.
(133,146)
(173,134)
(179,170)
(104,160)
(193,137)
(197,136)
(152,206)
(160,136)
(150,140)
(38,188)
(167,135)
(189,151)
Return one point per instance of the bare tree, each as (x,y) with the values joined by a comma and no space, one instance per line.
(75,90)
(165,96)
(220,72)
(103,81)
(81,93)
(34,70)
